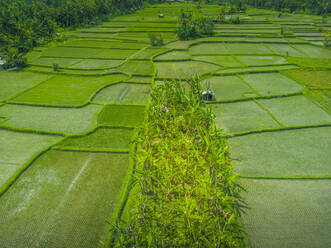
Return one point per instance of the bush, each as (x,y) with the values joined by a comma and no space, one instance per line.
(13,58)
(327,40)
(156,40)
(191,25)
(187,195)
(56,67)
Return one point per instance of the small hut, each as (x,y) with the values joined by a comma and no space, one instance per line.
(208,95)
(2,62)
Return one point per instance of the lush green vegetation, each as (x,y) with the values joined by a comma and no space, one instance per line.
(64,191)
(285,207)
(70,117)
(188,196)
(192,25)
(28,23)
(304,154)
(307,6)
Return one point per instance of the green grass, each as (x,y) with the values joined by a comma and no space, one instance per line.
(311,62)
(92,36)
(67,90)
(59,120)
(139,79)
(179,44)
(242,116)
(206,48)
(314,51)
(225,61)
(102,138)
(137,68)
(124,93)
(257,69)
(174,55)
(285,50)
(228,87)
(103,29)
(96,64)
(311,78)
(287,213)
(70,195)
(185,69)
(272,83)
(149,53)
(244,48)
(62,192)
(291,153)
(88,53)
(121,115)
(7,170)
(17,148)
(105,44)
(164,35)
(296,111)
(15,82)
(62,62)
(323,97)
(262,60)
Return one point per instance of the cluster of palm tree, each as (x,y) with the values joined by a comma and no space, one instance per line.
(318,7)
(28,23)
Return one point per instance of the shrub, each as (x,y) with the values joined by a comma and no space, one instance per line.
(56,67)
(13,58)
(327,40)
(156,40)
(324,18)
(191,25)
(282,31)
(187,194)
(204,25)
(186,28)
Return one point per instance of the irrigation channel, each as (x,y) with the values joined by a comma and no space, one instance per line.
(65,136)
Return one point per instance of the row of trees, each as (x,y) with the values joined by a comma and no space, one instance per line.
(318,7)
(192,25)
(28,23)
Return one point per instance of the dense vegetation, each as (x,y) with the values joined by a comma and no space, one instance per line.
(318,7)
(192,25)
(28,23)
(187,191)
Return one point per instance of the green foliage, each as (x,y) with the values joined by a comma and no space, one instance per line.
(156,40)
(192,25)
(327,40)
(14,58)
(25,24)
(318,7)
(281,30)
(187,196)
(223,11)
(56,67)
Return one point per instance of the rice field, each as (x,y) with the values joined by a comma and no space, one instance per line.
(65,136)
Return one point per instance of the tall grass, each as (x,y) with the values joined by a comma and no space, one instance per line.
(188,195)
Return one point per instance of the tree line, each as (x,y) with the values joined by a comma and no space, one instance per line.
(28,23)
(317,7)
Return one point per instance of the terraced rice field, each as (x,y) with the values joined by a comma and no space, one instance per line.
(65,135)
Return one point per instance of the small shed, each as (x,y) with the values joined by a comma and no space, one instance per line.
(2,62)
(208,95)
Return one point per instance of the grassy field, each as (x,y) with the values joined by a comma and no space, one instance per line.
(57,192)
(65,136)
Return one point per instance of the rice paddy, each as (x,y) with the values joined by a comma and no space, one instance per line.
(65,135)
